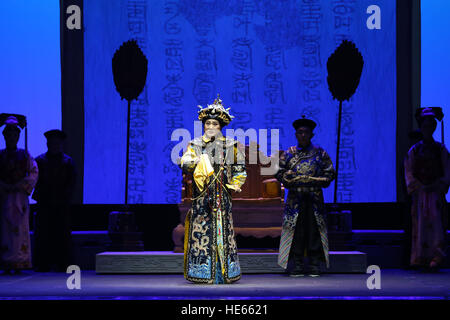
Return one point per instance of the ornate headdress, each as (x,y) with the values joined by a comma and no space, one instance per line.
(215,111)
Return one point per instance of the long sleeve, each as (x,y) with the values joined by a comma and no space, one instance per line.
(203,171)
(28,183)
(72,177)
(321,178)
(189,159)
(327,172)
(281,168)
(238,173)
(445,180)
(412,184)
(324,176)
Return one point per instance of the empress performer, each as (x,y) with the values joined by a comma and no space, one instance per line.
(304,169)
(218,167)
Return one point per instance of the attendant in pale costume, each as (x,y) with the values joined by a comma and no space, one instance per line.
(218,167)
(304,169)
(427,174)
(18,176)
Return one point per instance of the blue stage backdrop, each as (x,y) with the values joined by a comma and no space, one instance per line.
(30,76)
(267,59)
(435,63)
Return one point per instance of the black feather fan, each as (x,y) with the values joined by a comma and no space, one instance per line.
(344,71)
(129,66)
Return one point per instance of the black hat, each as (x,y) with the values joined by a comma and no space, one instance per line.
(433,112)
(13,119)
(11,123)
(55,133)
(303,122)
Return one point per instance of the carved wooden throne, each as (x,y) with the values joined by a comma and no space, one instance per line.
(257,209)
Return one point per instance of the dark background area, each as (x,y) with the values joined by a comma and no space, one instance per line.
(157,221)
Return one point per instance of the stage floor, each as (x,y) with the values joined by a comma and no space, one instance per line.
(395,284)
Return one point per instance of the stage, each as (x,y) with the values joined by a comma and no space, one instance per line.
(395,284)
(320,106)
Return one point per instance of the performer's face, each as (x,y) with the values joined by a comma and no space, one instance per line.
(212,127)
(428,127)
(55,145)
(304,136)
(11,138)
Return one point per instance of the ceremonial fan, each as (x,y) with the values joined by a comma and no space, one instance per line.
(344,72)
(129,67)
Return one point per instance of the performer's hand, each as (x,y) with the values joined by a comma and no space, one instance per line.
(319,181)
(288,175)
(233,187)
(303,179)
(416,185)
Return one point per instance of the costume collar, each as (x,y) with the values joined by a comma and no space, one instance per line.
(54,156)
(12,149)
(206,139)
(307,148)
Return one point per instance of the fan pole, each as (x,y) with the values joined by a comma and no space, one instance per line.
(337,151)
(128,152)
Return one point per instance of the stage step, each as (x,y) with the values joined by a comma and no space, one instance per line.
(170,262)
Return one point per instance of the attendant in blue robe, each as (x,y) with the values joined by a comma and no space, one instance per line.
(304,170)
